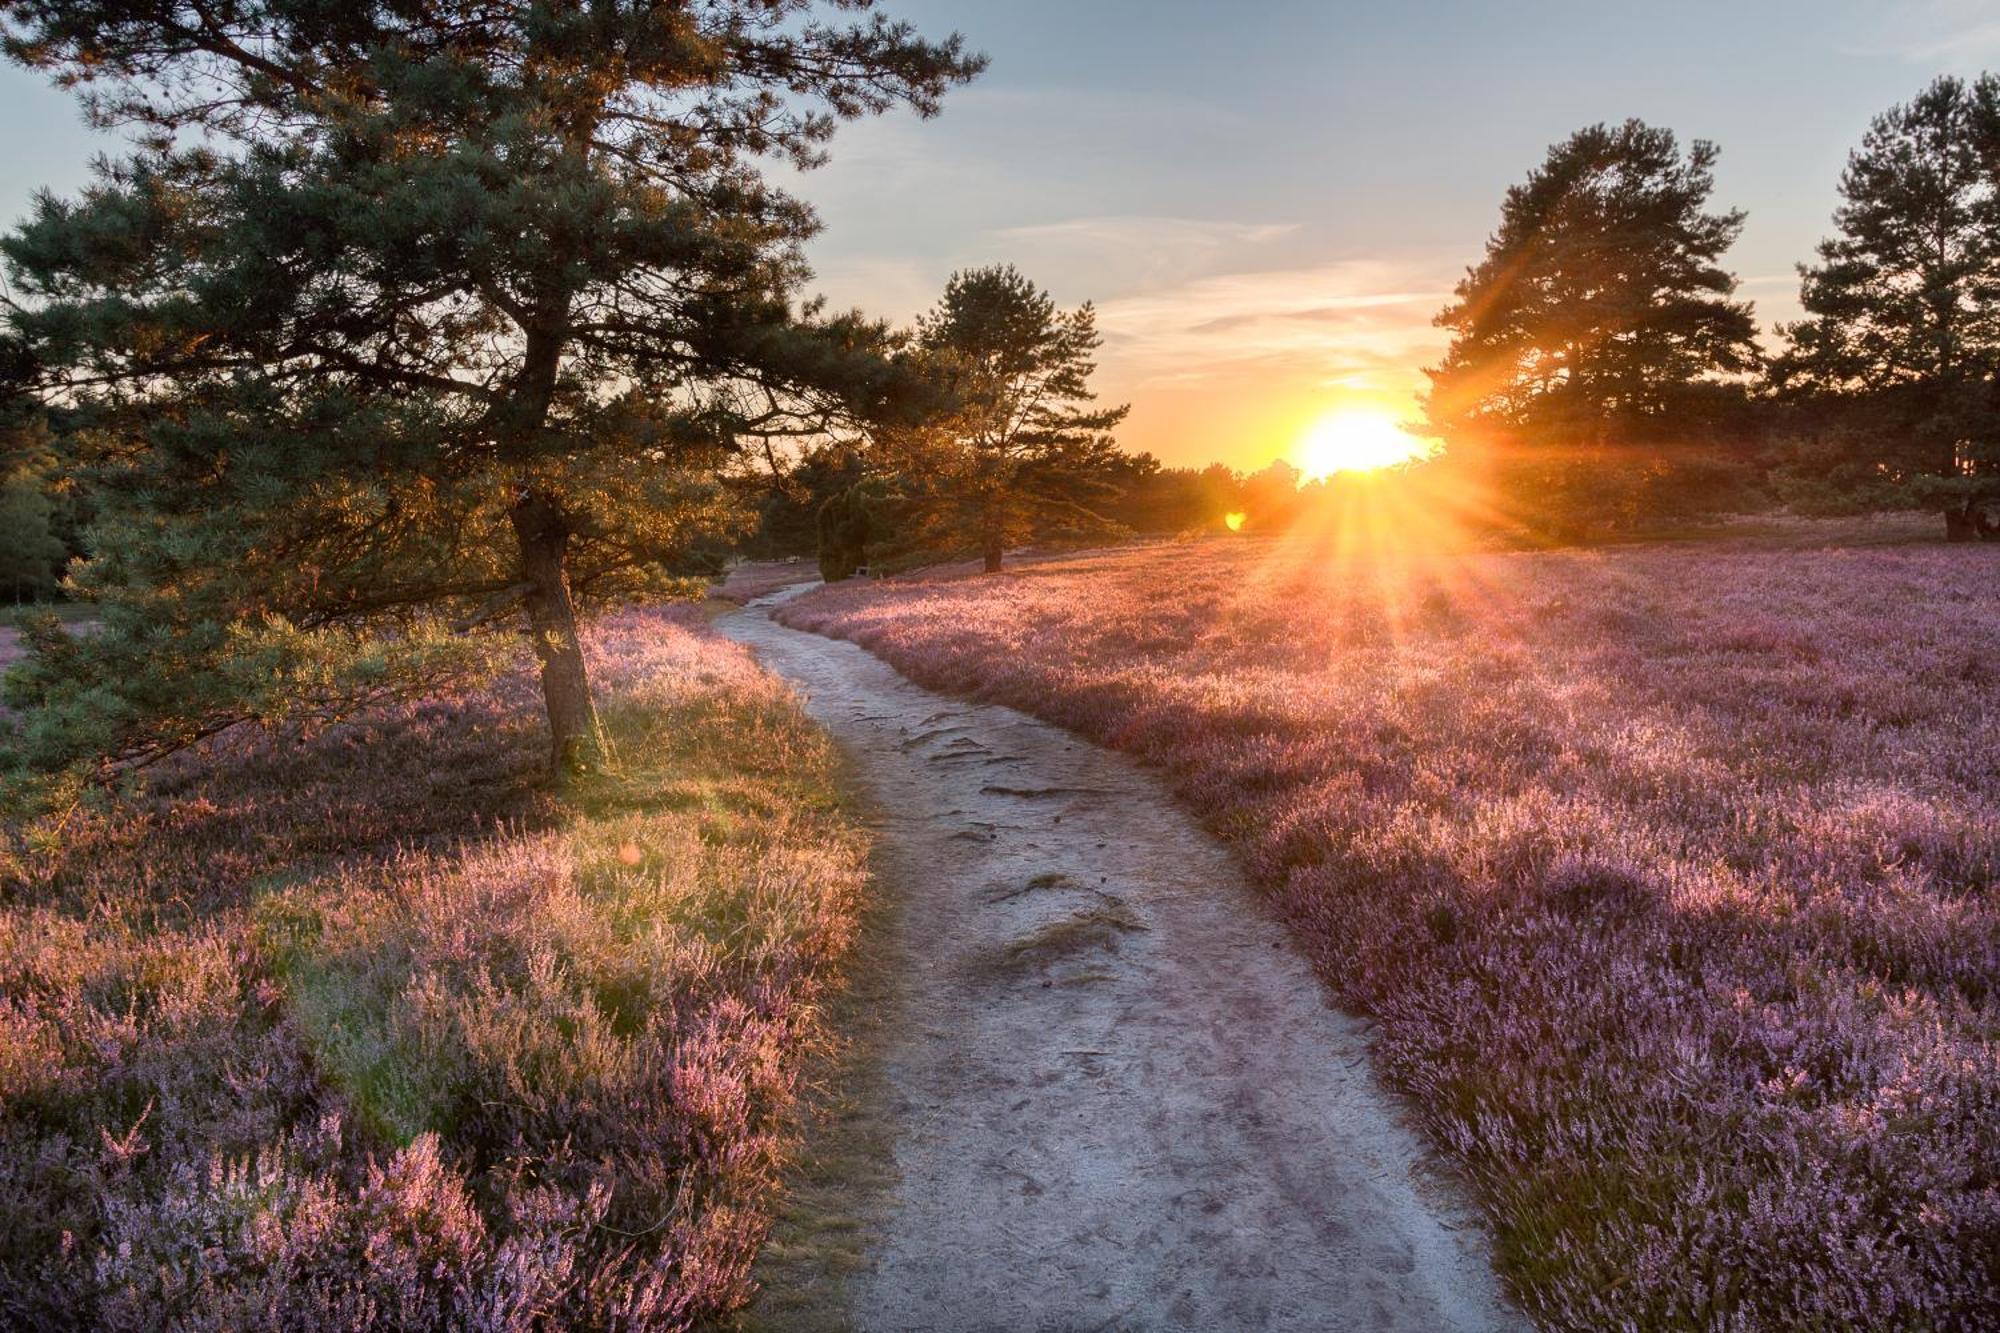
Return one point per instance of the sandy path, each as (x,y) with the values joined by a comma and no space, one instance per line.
(1118,1098)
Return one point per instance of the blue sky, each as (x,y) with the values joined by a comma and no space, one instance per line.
(1268,200)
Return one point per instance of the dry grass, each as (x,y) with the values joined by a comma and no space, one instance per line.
(367,1029)
(1668,872)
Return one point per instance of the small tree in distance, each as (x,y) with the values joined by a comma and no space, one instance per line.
(850,523)
(31,552)
(1020,451)
(1896,362)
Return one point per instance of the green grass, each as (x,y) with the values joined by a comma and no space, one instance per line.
(837,1187)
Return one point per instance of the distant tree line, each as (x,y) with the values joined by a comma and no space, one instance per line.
(834,505)
(1601,373)
(1006,445)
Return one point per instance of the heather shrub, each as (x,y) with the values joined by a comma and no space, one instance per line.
(1668,874)
(368,1029)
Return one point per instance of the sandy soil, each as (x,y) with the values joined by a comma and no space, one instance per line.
(1118,1100)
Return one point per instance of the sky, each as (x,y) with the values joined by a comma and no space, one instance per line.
(1267,201)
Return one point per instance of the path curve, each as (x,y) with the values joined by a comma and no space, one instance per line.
(1119,1099)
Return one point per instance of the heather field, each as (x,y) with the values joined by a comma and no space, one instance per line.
(368,1029)
(1666,873)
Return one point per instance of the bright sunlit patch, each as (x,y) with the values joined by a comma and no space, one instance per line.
(1236,521)
(1355,441)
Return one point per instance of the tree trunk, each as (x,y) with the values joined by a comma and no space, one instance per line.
(1960,525)
(994,550)
(576,737)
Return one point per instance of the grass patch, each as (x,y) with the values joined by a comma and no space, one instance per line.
(375,1029)
(835,1195)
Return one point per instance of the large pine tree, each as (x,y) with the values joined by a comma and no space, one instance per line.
(1896,361)
(1600,317)
(410,316)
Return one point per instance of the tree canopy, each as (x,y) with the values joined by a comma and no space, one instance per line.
(401,318)
(31,553)
(1900,347)
(1598,334)
(1020,450)
(1600,312)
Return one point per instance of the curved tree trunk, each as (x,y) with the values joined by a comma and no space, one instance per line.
(576,737)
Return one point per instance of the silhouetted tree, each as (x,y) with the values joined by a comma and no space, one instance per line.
(1895,364)
(31,552)
(1600,319)
(790,496)
(407,317)
(849,525)
(1021,452)
(1157,500)
(1270,497)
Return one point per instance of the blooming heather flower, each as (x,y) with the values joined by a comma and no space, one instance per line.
(1669,874)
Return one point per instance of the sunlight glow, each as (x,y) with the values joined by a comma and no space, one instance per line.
(1236,521)
(1355,440)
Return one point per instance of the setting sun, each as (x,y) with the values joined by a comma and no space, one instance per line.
(1355,440)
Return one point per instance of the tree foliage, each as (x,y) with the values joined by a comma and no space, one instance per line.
(1020,450)
(789,496)
(32,550)
(1156,500)
(1894,366)
(31,554)
(403,317)
(850,524)
(1599,323)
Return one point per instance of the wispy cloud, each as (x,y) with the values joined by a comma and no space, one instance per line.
(1946,32)
(1353,324)
(1127,253)
(1078,259)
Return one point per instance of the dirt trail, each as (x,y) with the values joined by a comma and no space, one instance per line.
(1118,1097)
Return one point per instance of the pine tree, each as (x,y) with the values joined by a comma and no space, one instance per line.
(30,552)
(1898,356)
(1599,321)
(850,524)
(1021,451)
(404,318)
(790,494)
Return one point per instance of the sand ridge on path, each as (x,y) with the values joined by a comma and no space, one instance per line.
(1118,1098)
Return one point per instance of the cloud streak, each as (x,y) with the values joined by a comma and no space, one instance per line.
(1943,31)
(1353,324)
